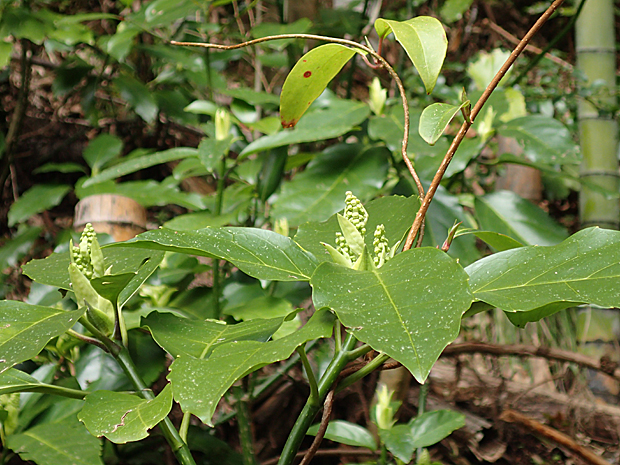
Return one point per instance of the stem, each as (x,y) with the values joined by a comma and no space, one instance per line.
(421,409)
(314,390)
(87,339)
(179,447)
(313,405)
(419,218)
(245,428)
(349,43)
(219,202)
(184,428)
(338,335)
(543,53)
(362,372)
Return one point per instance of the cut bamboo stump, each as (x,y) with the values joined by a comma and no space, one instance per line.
(121,217)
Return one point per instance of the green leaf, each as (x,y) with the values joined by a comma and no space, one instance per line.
(199,220)
(35,200)
(396,213)
(507,213)
(53,269)
(139,163)
(435,119)
(431,427)
(101,150)
(309,78)
(425,42)
(211,151)
(66,442)
(196,338)
(452,10)
(14,380)
(124,417)
(26,329)
(398,441)
(327,123)
(60,168)
(198,384)
(347,433)
(584,269)
(5,53)
(544,139)
(15,248)
(410,308)
(499,242)
(110,286)
(138,96)
(260,253)
(319,191)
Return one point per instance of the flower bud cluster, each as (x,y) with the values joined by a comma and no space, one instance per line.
(355,212)
(80,254)
(381,247)
(343,247)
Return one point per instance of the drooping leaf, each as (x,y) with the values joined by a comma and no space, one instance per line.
(13,380)
(260,253)
(35,200)
(338,118)
(66,442)
(425,42)
(139,163)
(431,427)
(319,191)
(543,139)
(583,269)
(410,308)
(395,212)
(199,384)
(435,119)
(309,78)
(347,433)
(196,338)
(507,213)
(25,329)
(122,417)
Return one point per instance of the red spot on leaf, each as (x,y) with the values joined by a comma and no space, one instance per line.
(288,124)
(307,74)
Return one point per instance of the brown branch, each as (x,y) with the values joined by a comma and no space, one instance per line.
(528,48)
(511,416)
(419,218)
(531,351)
(327,413)
(340,452)
(349,43)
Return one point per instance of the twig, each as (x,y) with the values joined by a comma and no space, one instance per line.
(528,48)
(531,351)
(419,218)
(340,452)
(511,416)
(327,413)
(349,43)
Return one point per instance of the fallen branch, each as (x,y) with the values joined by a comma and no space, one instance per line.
(511,416)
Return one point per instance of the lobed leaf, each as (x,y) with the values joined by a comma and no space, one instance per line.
(410,308)
(122,417)
(260,253)
(196,338)
(199,384)
(583,269)
(64,442)
(25,329)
